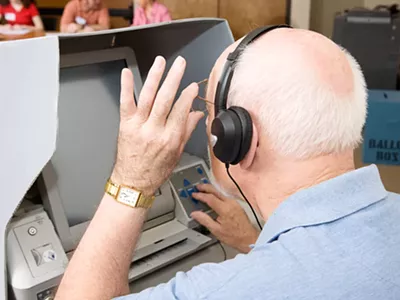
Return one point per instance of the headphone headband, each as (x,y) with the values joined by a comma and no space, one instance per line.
(221,96)
(233,127)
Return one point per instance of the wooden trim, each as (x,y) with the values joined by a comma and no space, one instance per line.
(114,12)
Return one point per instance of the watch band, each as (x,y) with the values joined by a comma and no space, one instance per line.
(128,195)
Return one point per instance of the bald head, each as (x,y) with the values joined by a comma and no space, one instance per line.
(305,93)
(308,51)
(304,50)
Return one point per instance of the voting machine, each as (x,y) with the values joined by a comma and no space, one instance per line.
(42,239)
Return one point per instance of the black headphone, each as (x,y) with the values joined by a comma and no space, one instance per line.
(233,127)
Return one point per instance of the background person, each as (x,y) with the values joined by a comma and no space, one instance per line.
(21,14)
(85,16)
(150,12)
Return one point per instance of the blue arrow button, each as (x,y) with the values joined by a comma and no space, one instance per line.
(186,182)
(183,194)
(190,192)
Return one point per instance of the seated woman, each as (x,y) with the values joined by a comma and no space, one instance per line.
(149,12)
(21,14)
(85,16)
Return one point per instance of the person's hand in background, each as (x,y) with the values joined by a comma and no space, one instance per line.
(6,27)
(19,27)
(233,226)
(87,29)
(73,28)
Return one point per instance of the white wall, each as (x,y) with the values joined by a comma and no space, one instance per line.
(300,14)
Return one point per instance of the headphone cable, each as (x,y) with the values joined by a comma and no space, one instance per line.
(241,192)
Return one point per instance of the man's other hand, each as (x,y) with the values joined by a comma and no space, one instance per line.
(73,28)
(232,227)
(88,29)
(151,135)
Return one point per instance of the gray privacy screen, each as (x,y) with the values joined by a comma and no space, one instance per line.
(88,130)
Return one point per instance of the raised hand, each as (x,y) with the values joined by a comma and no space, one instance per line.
(152,137)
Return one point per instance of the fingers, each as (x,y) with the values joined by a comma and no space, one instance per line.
(205,220)
(193,120)
(167,92)
(213,202)
(150,88)
(127,100)
(177,121)
(210,189)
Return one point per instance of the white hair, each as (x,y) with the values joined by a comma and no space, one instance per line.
(301,116)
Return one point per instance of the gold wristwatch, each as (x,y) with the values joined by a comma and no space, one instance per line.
(128,195)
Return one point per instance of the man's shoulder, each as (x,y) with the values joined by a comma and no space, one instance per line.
(392,195)
(290,269)
(267,270)
(390,205)
(298,265)
(313,265)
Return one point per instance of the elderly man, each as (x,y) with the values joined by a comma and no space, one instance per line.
(332,232)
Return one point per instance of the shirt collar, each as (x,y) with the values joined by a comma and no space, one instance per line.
(325,202)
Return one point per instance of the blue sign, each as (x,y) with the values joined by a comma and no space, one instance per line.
(382,130)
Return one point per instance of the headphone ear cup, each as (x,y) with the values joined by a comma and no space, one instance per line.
(227,128)
(246,132)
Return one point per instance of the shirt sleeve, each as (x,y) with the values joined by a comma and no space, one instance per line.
(166,16)
(179,287)
(69,14)
(33,10)
(104,18)
(196,283)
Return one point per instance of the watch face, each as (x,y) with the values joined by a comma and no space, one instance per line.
(128,196)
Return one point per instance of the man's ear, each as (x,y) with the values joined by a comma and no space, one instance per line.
(249,158)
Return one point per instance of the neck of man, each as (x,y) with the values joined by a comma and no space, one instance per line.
(284,177)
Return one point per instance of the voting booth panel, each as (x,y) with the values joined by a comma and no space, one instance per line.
(28,129)
(72,183)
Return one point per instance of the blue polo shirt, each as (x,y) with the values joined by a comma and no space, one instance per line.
(337,240)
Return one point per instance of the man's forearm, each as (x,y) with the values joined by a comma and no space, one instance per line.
(151,141)
(100,265)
